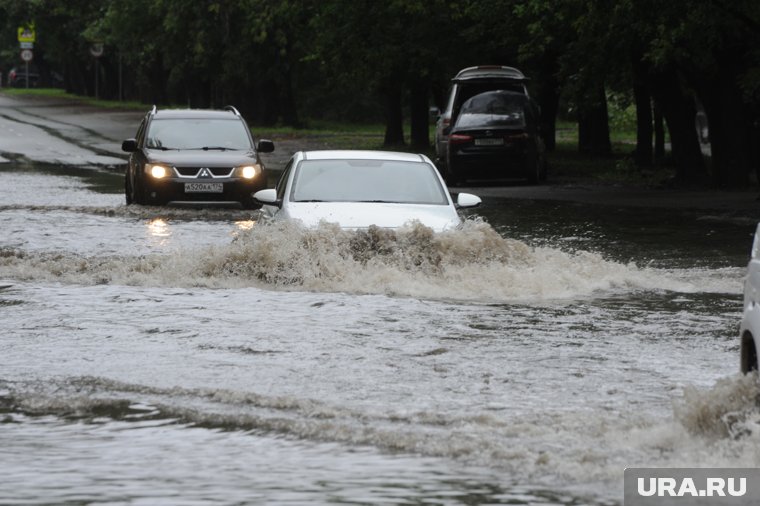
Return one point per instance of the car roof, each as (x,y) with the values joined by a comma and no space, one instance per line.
(194,114)
(490,72)
(357,154)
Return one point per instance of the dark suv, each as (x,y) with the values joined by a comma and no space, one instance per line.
(466,84)
(194,156)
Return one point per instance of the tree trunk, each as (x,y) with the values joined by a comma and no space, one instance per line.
(729,140)
(548,101)
(547,97)
(643,155)
(594,127)
(730,124)
(679,111)
(419,111)
(659,135)
(394,118)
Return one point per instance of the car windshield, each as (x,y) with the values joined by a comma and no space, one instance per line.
(367,181)
(197,133)
(495,108)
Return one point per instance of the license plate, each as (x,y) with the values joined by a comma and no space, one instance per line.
(204,187)
(490,142)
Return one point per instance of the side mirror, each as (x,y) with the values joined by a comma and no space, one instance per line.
(267,197)
(129,145)
(265,146)
(467,200)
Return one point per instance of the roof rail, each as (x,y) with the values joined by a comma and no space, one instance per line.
(153,111)
(231,108)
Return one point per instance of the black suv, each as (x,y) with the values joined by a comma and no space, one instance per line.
(194,156)
(466,84)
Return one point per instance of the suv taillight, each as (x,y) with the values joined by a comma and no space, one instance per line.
(459,138)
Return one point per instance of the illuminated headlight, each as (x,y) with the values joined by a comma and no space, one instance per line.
(249,171)
(157,171)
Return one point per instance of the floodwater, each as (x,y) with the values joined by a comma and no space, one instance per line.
(196,356)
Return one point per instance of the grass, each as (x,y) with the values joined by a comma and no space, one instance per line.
(60,93)
(566,163)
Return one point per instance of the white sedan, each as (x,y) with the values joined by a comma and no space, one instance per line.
(356,189)
(749,332)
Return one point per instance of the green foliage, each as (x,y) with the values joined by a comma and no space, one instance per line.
(289,62)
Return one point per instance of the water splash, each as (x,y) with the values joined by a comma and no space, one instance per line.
(730,409)
(472,262)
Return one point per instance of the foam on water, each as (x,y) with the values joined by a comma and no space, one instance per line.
(473,262)
(550,446)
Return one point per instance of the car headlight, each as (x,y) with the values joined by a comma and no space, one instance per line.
(156,170)
(249,171)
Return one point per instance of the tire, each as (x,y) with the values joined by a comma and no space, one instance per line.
(544,170)
(138,194)
(128,190)
(250,203)
(451,177)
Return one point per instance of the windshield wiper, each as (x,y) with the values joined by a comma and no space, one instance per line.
(163,148)
(310,200)
(380,201)
(215,148)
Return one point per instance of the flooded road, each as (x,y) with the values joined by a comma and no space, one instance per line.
(198,356)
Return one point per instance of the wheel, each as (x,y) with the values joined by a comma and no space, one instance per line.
(138,194)
(128,189)
(544,170)
(451,177)
(250,203)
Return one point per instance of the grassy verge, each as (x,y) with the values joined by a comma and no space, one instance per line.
(566,163)
(60,93)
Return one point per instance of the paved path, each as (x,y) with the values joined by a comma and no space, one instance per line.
(60,131)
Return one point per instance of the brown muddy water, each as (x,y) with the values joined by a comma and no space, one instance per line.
(200,356)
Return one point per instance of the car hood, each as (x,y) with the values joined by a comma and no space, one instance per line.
(201,158)
(357,215)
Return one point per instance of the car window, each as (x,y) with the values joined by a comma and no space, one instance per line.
(497,108)
(140,130)
(466,91)
(283,182)
(196,133)
(367,181)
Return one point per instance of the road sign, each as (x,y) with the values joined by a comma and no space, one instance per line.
(26,33)
(26,45)
(27,55)
(96,49)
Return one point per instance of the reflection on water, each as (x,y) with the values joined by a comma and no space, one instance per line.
(159,228)
(245,225)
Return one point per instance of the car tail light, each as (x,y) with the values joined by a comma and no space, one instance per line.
(459,138)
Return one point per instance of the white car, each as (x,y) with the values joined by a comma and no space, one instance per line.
(750,326)
(356,189)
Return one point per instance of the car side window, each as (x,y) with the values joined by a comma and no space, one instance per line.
(140,132)
(283,182)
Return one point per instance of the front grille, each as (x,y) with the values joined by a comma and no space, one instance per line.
(195,171)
